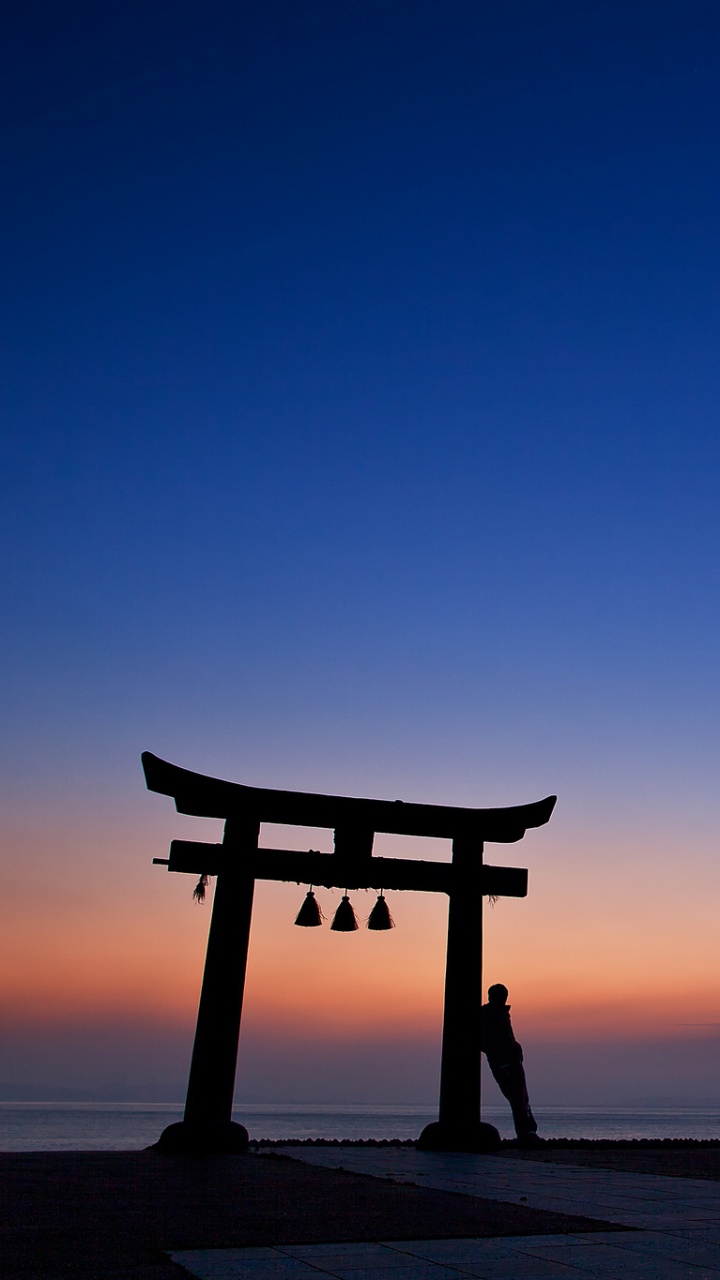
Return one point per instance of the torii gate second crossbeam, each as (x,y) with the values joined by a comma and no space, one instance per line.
(237,862)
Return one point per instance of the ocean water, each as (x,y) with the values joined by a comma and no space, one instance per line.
(104,1126)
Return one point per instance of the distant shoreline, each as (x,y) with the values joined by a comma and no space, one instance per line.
(507,1144)
(93,1126)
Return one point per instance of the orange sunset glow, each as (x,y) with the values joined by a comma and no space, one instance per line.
(590,956)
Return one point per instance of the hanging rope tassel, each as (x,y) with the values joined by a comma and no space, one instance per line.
(380,917)
(309,916)
(344,919)
(200,889)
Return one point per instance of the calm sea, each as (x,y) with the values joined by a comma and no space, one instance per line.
(103,1126)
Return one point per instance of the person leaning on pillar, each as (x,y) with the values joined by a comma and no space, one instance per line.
(505,1060)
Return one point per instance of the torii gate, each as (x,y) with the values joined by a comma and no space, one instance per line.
(238,862)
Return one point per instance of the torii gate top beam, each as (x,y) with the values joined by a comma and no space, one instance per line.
(200,796)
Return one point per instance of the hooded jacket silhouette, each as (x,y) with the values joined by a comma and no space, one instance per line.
(505,1059)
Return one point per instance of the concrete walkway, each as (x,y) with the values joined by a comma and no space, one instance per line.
(676,1225)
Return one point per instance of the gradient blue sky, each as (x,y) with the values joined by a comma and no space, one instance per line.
(361,414)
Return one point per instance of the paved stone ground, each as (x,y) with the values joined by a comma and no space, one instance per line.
(674,1226)
(115,1215)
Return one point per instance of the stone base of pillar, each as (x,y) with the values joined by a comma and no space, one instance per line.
(478,1137)
(193,1140)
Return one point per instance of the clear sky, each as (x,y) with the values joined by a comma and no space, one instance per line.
(360,408)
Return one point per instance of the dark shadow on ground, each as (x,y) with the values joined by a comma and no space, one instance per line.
(111,1215)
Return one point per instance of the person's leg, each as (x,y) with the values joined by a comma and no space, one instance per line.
(510,1078)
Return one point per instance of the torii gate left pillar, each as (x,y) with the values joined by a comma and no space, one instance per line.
(237,862)
(211,1084)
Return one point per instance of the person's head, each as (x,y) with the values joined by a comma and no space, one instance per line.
(498,994)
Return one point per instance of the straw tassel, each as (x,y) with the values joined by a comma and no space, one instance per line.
(200,889)
(309,916)
(344,920)
(380,917)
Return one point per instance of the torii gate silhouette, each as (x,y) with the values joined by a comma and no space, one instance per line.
(207,1125)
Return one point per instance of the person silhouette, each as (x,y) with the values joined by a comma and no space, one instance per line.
(505,1060)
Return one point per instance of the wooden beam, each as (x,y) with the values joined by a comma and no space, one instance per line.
(206,797)
(333,871)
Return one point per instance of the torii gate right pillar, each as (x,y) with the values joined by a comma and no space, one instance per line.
(459,1127)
